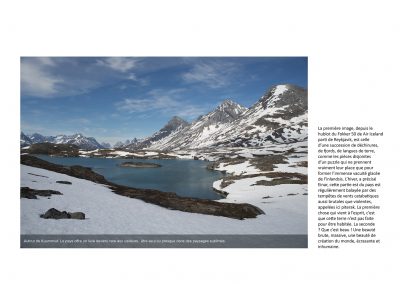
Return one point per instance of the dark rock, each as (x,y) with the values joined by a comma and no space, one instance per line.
(37,175)
(30,193)
(63,182)
(77,215)
(56,214)
(212,166)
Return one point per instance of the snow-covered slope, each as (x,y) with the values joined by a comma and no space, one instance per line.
(280,115)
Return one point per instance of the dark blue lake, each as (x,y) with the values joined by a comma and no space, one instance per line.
(188,178)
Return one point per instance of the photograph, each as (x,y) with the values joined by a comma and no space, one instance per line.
(164,152)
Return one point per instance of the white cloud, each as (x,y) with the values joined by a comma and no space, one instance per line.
(46,77)
(213,74)
(134,78)
(36,81)
(121,64)
(164,101)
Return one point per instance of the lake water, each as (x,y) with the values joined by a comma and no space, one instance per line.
(188,178)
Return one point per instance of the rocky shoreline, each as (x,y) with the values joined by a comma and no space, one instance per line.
(168,200)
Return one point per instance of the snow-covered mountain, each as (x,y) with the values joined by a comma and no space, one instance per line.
(175,125)
(87,143)
(226,112)
(127,142)
(279,116)
(39,138)
(198,133)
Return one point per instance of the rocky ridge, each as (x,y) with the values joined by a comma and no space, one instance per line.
(280,116)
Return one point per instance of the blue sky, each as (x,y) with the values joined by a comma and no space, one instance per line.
(118,98)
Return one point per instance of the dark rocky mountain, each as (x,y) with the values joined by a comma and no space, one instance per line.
(24,140)
(176,124)
(105,145)
(118,144)
(127,142)
(38,138)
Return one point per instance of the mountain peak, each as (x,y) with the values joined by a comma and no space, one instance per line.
(230,107)
(284,94)
(174,123)
(177,119)
(228,103)
(121,144)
